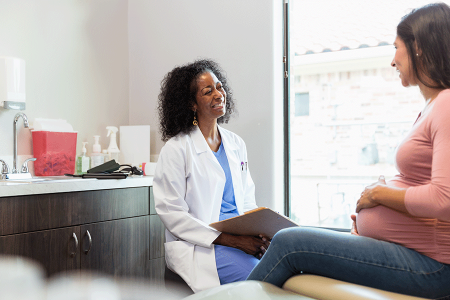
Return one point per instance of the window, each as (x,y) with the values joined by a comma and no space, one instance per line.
(348,109)
(301,104)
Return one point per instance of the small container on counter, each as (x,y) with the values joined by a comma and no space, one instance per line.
(83,161)
(97,157)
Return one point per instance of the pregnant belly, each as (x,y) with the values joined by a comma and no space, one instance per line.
(385,224)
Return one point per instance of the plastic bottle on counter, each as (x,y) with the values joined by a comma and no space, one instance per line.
(82,164)
(97,157)
(113,150)
(106,155)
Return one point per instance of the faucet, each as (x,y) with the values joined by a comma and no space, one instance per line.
(25,124)
(15,173)
(5,169)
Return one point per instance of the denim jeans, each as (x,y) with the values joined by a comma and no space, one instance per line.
(350,258)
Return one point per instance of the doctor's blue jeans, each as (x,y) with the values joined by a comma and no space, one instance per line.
(355,259)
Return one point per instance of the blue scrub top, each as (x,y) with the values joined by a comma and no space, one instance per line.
(228,208)
(232,264)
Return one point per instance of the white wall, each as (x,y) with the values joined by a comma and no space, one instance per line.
(76,54)
(245,38)
(100,62)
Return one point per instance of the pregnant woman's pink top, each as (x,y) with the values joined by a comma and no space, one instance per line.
(423,161)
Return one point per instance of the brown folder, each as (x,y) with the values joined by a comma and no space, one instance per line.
(261,220)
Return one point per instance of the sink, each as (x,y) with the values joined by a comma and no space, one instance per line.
(9,182)
(49,179)
(57,179)
(27,180)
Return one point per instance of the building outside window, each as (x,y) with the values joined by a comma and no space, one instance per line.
(301,104)
(348,108)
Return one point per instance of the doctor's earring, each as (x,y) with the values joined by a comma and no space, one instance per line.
(195,120)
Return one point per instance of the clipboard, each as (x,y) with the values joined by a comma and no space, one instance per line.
(258,221)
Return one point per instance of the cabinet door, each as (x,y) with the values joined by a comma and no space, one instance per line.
(118,248)
(56,250)
(156,237)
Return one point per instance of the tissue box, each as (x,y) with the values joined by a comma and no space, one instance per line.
(55,152)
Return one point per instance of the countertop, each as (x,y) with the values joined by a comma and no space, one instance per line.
(63,184)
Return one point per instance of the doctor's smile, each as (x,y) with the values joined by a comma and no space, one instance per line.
(217,105)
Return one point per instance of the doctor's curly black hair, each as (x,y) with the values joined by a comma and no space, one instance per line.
(178,95)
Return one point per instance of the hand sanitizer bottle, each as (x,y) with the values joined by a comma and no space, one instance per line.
(82,161)
(113,150)
(96,157)
(106,155)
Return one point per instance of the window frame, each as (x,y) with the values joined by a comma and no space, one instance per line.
(286,110)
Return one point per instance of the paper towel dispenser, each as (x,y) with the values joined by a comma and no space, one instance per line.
(12,83)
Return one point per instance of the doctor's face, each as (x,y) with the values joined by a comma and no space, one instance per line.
(210,97)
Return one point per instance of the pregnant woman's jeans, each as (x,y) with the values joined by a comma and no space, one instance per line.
(354,259)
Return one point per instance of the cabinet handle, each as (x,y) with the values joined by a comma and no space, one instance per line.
(74,236)
(90,242)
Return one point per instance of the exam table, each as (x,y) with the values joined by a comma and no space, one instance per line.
(299,287)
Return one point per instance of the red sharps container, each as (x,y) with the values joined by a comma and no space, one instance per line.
(55,152)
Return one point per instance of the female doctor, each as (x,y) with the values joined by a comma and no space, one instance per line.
(202,177)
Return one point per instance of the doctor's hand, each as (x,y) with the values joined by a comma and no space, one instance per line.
(252,245)
(266,241)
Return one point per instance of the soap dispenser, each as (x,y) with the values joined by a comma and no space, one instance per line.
(106,155)
(82,161)
(113,150)
(96,157)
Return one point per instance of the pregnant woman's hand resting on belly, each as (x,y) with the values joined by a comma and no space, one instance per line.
(365,202)
(354,229)
(366,199)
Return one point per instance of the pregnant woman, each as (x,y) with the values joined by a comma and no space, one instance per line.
(401,235)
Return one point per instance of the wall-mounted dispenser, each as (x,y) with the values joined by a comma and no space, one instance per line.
(12,83)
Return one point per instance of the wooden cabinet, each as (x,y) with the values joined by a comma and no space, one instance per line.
(52,248)
(119,247)
(116,232)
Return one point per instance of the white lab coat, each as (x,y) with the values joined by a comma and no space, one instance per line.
(188,188)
